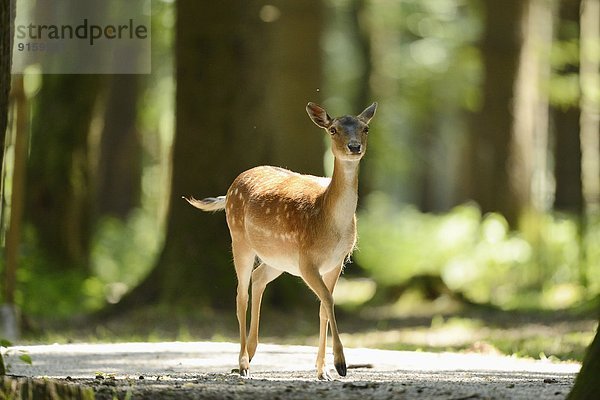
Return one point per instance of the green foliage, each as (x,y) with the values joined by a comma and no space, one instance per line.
(3,343)
(44,288)
(5,351)
(426,73)
(122,253)
(538,266)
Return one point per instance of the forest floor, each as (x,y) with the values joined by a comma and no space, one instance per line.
(205,370)
(435,353)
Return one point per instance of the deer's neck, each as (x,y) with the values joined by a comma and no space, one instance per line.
(341,196)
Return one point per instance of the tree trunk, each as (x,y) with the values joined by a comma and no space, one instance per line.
(294,80)
(567,150)
(215,138)
(589,75)
(58,176)
(17,200)
(488,181)
(567,167)
(586,384)
(119,172)
(528,159)
(243,108)
(7,17)
(589,80)
(8,312)
(362,40)
(58,183)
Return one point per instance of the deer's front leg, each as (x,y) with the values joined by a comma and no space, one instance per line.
(330,280)
(322,373)
(313,279)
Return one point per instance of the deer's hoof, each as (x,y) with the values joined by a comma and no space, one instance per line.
(341,368)
(245,373)
(324,376)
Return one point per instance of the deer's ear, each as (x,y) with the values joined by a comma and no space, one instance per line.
(368,113)
(318,115)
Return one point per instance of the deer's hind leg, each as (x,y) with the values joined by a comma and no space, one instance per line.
(243,259)
(261,276)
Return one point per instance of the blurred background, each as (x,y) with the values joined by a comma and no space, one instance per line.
(479,196)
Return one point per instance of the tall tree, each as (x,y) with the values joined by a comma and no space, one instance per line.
(586,384)
(589,75)
(488,181)
(8,324)
(360,35)
(7,15)
(233,99)
(566,114)
(294,79)
(58,181)
(119,170)
(529,144)
(17,195)
(118,173)
(58,173)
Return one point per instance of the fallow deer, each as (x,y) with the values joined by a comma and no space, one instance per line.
(300,224)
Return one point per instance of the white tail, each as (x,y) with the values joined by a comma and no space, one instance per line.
(208,204)
(300,224)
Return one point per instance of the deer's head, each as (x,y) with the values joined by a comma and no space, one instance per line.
(348,133)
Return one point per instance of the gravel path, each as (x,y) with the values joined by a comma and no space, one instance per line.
(202,370)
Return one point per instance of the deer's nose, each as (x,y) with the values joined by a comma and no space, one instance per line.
(354,148)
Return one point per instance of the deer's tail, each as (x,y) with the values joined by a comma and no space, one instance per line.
(209,204)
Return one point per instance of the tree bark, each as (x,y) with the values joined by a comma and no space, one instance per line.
(58,181)
(294,80)
(586,384)
(488,181)
(7,17)
(589,75)
(17,198)
(567,150)
(528,159)
(8,312)
(362,40)
(58,177)
(119,171)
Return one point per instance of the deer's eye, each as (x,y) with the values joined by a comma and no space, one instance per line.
(366,129)
(332,130)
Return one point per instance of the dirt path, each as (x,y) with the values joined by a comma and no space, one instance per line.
(202,370)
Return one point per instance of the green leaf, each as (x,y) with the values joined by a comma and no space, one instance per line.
(5,343)
(26,358)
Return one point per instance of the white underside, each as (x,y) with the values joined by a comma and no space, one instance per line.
(290,262)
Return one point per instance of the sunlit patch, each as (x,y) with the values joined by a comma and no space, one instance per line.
(269,13)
